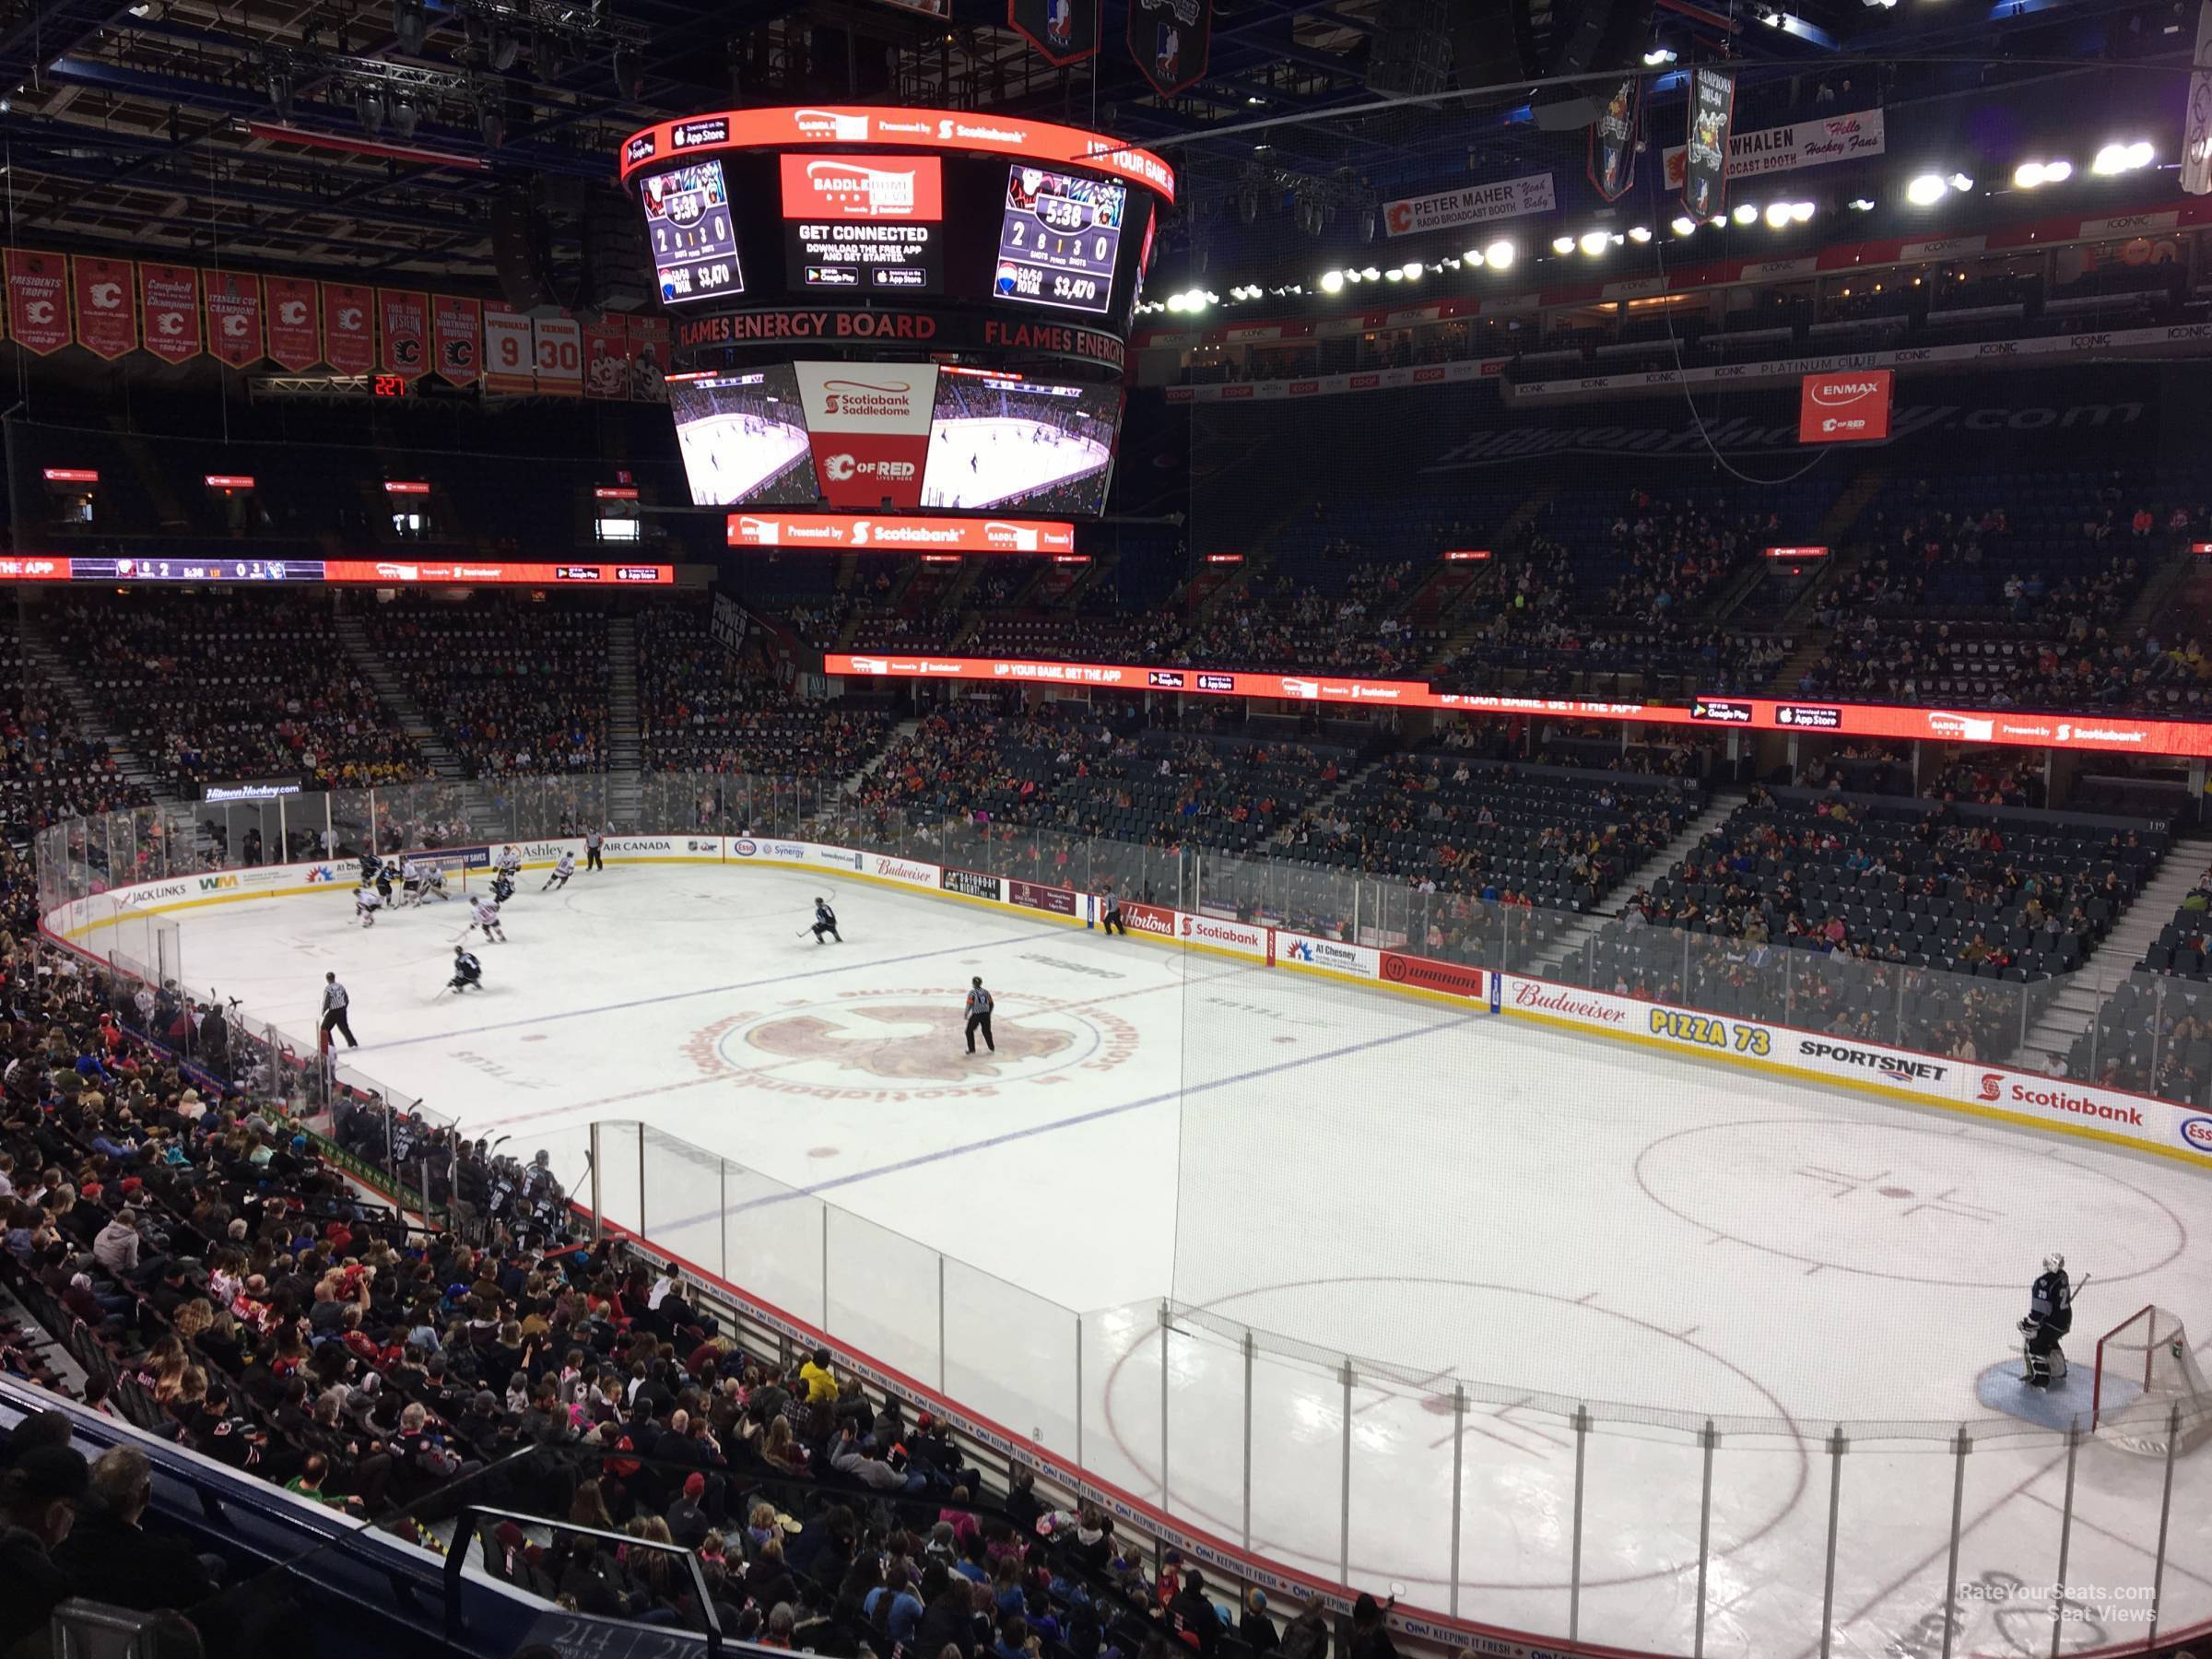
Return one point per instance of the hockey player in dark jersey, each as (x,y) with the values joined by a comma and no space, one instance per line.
(468,972)
(2050,1317)
(502,887)
(377,873)
(825,921)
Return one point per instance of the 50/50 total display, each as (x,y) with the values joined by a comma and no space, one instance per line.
(1058,239)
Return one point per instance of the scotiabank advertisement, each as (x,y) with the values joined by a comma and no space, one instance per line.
(838,533)
(868,426)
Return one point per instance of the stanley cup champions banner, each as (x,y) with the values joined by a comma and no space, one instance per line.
(1168,41)
(1613,140)
(1705,154)
(1063,31)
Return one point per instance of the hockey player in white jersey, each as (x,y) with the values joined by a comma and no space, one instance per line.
(367,901)
(511,863)
(429,882)
(563,868)
(485,915)
(410,882)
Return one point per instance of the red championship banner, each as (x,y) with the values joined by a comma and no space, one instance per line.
(649,359)
(168,301)
(348,328)
(404,320)
(38,302)
(292,307)
(607,358)
(458,324)
(507,348)
(1845,408)
(107,305)
(234,317)
(558,355)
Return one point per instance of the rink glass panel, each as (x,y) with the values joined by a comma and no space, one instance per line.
(1196,1403)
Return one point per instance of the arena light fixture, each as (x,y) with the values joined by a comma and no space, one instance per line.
(1746,213)
(1684,225)
(1498,254)
(1800,212)
(1926,190)
(1778,215)
(1961,183)
(1595,243)
(1412,270)
(1393,274)
(1473,256)
(1370,273)
(1639,234)
(1860,204)
(1658,57)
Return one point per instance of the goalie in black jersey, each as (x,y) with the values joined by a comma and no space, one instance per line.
(469,973)
(2050,1317)
(825,921)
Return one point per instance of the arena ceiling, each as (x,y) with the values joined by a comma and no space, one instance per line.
(369,135)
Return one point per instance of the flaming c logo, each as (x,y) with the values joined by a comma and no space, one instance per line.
(934,1055)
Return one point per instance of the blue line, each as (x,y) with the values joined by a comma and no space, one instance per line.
(842,966)
(920,1159)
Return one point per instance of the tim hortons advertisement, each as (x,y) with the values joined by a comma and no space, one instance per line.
(1153,919)
(1845,408)
(1036,895)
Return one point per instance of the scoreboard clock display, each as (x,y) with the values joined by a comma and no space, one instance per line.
(693,237)
(1059,240)
(928,226)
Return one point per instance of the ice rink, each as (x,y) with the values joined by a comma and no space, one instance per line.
(1542,1219)
(981,462)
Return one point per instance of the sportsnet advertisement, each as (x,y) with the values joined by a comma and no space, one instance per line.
(868,425)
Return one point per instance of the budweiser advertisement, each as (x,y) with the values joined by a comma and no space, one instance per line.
(868,427)
(838,532)
(1845,408)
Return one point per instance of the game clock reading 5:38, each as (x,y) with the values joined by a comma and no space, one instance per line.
(1058,239)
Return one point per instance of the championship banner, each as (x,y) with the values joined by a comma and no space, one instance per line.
(293,313)
(404,321)
(868,426)
(607,358)
(2196,114)
(38,302)
(1469,204)
(1613,140)
(107,306)
(168,301)
(1786,148)
(649,359)
(1845,408)
(348,328)
(234,317)
(1063,31)
(1168,41)
(1705,164)
(558,355)
(458,327)
(507,350)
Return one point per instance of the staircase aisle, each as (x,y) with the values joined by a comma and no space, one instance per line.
(2069,1012)
(49,662)
(1570,944)
(624,740)
(393,692)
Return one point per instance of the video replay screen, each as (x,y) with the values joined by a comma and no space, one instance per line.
(994,443)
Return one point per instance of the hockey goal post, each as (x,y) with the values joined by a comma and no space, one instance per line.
(2147,1384)
(453,867)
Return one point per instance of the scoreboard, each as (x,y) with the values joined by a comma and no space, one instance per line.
(876,228)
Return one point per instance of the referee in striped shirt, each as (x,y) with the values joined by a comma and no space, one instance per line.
(978,1015)
(334,1009)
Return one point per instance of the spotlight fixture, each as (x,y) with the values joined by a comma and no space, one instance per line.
(1745,213)
(1595,243)
(368,104)
(410,26)
(405,117)
(1473,256)
(1412,270)
(1639,234)
(1801,211)
(1860,204)
(1961,183)
(1563,244)
(1683,225)
(1498,254)
(1778,215)
(1926,190)
(1658,57)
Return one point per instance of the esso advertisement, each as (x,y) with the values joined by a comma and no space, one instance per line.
(1845,408)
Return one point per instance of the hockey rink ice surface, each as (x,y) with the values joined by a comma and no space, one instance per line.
(1531,1213)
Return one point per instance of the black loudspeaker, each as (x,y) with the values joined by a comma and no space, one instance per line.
(1606,36)
(1500,45)
(522,252)
(615,256)
(1410,53)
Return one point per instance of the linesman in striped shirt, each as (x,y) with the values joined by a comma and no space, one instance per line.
(978,1015)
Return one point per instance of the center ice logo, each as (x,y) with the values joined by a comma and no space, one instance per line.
(881,1043)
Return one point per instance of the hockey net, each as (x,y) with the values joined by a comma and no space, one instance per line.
(453,867)
(2147,1383)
